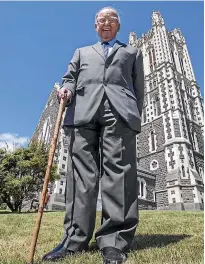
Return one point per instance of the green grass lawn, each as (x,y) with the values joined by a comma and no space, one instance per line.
(163,237)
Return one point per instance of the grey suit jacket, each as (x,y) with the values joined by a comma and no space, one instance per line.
(120,76)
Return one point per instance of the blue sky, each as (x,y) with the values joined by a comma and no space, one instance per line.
(38,40)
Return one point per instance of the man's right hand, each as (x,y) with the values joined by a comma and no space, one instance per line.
(64,93)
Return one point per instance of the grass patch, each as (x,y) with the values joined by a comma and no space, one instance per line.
(163,237)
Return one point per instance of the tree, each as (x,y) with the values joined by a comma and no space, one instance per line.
(22,174)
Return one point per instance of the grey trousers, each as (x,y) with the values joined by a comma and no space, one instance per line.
(116,164)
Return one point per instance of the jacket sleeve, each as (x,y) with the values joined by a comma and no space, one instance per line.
(70,78)
(138,80)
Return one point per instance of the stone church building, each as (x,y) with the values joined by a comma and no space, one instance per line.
(170,158)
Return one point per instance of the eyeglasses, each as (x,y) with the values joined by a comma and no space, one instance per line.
(111,20)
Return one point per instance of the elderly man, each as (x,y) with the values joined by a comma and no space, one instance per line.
(104,86)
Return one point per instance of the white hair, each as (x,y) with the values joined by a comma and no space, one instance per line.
(108,7)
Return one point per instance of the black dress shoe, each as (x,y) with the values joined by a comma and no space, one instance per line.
(57,248)
(113,255)
(57,253)
(60,252)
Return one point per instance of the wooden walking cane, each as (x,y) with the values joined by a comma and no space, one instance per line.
(46,180)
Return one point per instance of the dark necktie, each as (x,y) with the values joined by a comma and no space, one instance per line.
(106,48)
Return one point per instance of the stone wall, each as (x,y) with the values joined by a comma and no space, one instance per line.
(187,194)
(160,172)
(162,200)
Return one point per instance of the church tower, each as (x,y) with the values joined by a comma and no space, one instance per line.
(171,142)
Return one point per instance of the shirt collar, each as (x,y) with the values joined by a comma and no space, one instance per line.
(111,42)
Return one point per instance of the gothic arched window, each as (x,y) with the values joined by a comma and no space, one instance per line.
(186,108)
(145,115)
(158,106)
(183,171)
(141,183)
(150,57)
(154,57)
(201,173)
(182,65)
(155,107)
(142,188)
(138,188)
(192,110)
(195,141)
(173,59)
(152,141)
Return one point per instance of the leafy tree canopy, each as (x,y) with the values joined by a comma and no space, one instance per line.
(22,174)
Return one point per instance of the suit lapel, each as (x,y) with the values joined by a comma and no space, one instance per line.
(99,49)
(116,46)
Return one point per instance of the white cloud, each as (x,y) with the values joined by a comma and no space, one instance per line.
(12,141)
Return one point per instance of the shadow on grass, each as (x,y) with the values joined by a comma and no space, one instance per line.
(149,241)
(157,240)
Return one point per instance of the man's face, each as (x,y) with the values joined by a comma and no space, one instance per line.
(107,24)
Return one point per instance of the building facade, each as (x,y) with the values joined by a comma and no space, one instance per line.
(171,142)
(170,146)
